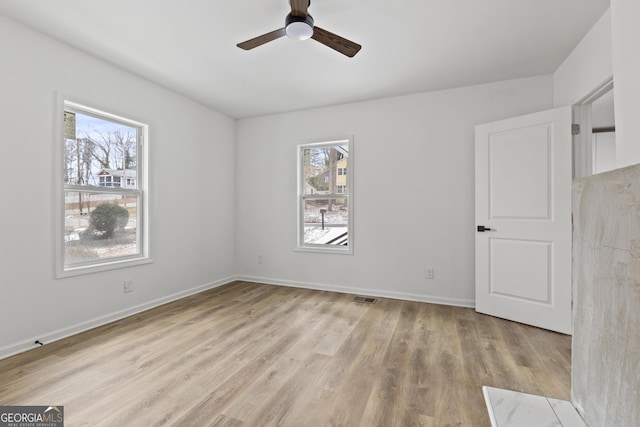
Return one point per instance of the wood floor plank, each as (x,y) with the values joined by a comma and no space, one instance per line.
(248,354)
(420,394)
(385,405)
(223,368)
(277,410)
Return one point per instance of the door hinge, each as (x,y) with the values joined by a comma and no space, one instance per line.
(575,129)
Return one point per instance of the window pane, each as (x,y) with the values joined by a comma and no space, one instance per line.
(326,222)
(99,152)
(325,169)
(99,226)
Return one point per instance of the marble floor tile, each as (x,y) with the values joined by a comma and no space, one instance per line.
(514,409)
(566,413)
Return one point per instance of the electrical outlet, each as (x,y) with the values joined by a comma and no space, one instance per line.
(429,273)
(260,259)
(128,285)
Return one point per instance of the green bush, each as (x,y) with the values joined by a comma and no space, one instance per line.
(107,219)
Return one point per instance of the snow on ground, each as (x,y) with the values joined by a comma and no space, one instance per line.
(313,234)
(333,217)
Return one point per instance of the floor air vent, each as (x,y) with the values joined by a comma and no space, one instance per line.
(366,300)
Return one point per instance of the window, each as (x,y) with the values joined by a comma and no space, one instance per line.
(325,197)
(103,197)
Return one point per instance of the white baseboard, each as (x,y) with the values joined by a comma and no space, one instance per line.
(51,336)
(362,291)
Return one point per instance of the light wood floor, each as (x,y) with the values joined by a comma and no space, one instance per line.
(247,354)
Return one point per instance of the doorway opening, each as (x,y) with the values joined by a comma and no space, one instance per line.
(594,141)
(603,129)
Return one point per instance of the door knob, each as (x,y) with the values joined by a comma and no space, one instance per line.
(482,229)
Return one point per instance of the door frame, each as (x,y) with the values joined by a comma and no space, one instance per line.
(583,141)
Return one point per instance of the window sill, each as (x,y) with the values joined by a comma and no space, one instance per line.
(114,265)
(325,250)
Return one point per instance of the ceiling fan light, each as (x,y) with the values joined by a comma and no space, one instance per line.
(299,31)
(299,28)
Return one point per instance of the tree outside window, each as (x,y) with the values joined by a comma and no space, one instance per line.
(102,194)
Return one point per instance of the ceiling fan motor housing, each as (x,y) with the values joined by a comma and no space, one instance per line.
(299,27)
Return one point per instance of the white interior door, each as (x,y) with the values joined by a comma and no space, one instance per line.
(523,195)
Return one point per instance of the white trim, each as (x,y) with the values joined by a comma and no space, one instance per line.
(360,291)
(58,187)
(325,249)
(97,189)
(104,266)
(583,142)
(326,196)
(58,334)
(83,108)
(605,86)
(64,103)
(300,197)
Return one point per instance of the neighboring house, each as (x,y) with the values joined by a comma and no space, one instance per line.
(320,183)
(341,178)
(309,189)
(117,178)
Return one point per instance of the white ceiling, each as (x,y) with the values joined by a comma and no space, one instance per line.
(410,46)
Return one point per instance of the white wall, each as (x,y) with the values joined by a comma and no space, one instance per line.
(610,48)
(587,67)
(604,152)
(626,68)
(192,196)
(414,190)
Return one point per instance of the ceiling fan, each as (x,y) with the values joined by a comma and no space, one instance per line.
(299,26)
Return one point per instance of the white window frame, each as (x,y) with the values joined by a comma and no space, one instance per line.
(60,187)
(301,198)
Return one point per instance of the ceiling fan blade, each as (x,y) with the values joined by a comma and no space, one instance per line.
(260,40)
(335,42)
(299,7)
